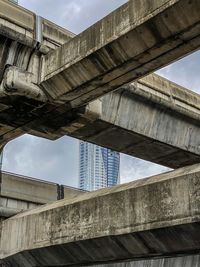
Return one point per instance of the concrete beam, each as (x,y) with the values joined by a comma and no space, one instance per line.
(143,119)
(154,217)
(27,189)
(131,42)
(90,63)
(10,207)
(25,27)
(186,261)
(19,193)
(20,46)
(178,36)
(153,119)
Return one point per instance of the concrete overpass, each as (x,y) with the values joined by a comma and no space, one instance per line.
(156,217)
(19,193)
(29,42)
(50,81)
(153,119)
(131,42)
(181,261)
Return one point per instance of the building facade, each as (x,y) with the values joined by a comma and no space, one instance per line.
(98,167)
(1,160)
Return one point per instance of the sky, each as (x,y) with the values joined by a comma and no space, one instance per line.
(57,161)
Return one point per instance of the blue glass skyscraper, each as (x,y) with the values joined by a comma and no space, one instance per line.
(98,167)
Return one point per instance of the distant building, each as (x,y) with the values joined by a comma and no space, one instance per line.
(1,160)
(112,163)
(98,167)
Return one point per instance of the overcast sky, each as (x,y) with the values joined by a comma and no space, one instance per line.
(58,160)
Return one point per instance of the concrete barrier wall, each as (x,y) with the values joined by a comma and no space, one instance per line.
(24,26)
(19,193)
(154,217)
(21,188)
(34,190)
(69,192)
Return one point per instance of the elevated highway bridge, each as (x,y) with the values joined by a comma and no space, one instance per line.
(153,221)
(19,193)
(49,77)
(98,86)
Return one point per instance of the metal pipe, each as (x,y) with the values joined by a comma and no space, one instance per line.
(38,31)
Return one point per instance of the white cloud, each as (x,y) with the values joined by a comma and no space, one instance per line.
(75,15)
(70,11)
(50,160)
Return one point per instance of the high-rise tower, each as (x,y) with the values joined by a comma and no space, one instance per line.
(98,167)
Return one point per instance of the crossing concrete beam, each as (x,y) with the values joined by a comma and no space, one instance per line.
(134,40)
(153,119)
(19,193)
(154,217)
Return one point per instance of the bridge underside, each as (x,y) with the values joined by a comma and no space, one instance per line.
(19,193)
(131,42)
(185,261)
(153,119)
(162,242)
(45,93)
(143,119)
(77,70)
(154,217)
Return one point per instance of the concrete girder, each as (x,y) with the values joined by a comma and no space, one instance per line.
(23,26)
(176,261)
(19,193)
(53,120)
(134,40)
(153,119)
(144,119)
(20,47)
(154,217)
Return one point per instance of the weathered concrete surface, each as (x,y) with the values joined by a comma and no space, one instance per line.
(19,193)
(134,40)
(21,25)
(10,207)
(143,119)
(101,53)
(179,261)
(24,37)
(186,261)
(157,216)
(153,119)
(27,189)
